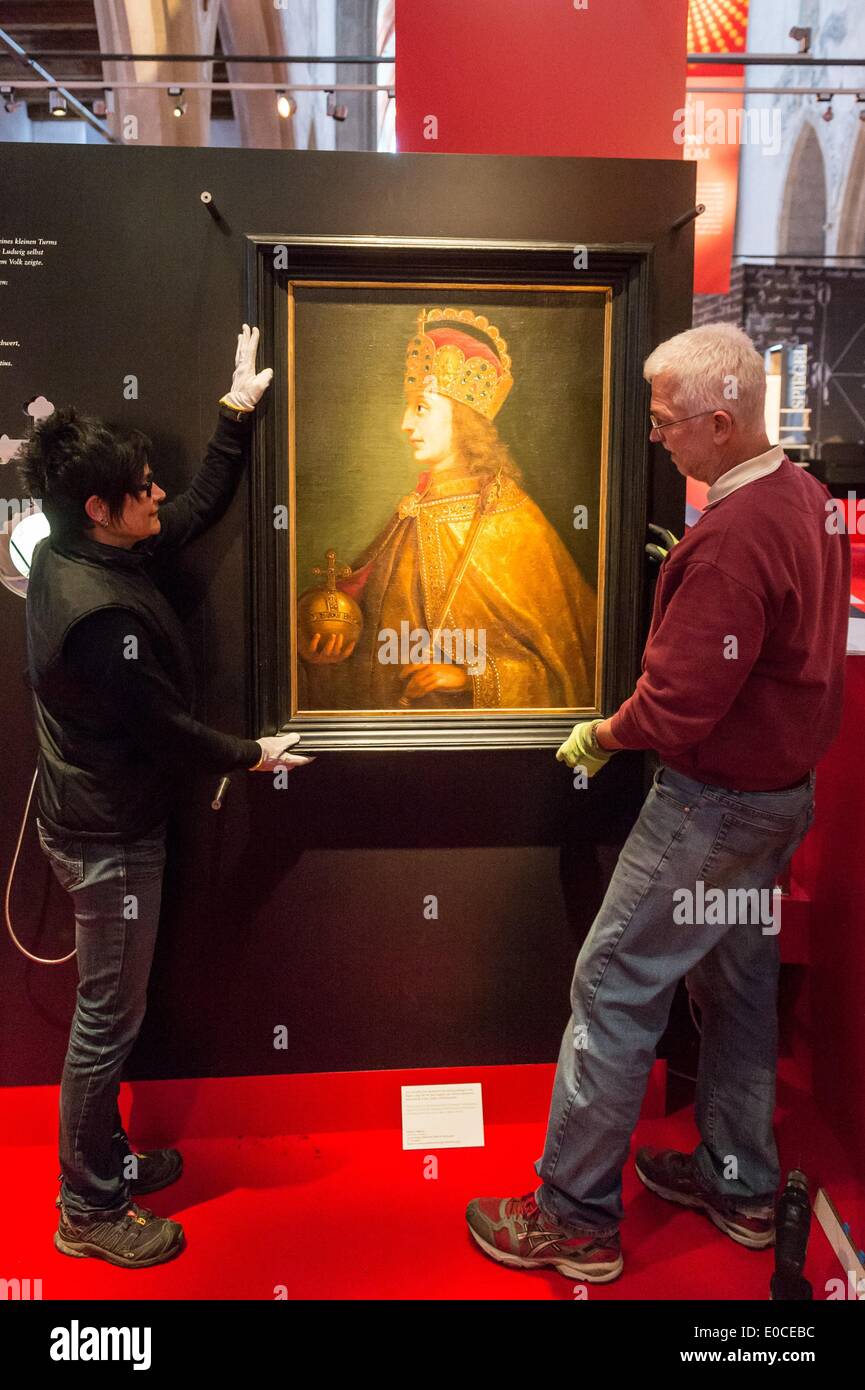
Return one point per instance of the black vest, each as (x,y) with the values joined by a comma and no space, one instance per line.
(93,782)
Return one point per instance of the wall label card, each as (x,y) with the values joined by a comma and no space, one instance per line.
(443,1117)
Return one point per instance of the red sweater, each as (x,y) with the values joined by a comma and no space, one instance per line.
(760,575)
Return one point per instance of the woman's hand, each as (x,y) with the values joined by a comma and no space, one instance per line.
(274,753)
(247,386)
(423,677)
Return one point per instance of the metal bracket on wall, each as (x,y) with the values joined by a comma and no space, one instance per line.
(207,199)
(687,217)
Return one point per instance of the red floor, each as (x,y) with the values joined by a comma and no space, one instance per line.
(301,1182)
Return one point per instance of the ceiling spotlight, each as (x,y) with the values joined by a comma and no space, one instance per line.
(285,105)
(178,101)
(826,100)
(803,38)
(100,106)
(339,113)
(57,103)
(7,96)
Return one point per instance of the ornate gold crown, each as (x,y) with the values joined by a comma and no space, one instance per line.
(463,368)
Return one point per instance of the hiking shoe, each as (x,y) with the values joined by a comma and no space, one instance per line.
(156,1168)
(133,1238)
(673,1176)
(515,1232)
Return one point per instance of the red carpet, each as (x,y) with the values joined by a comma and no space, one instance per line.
(300,1182)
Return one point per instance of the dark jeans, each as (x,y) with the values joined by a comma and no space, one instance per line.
(116,891)
(690,838)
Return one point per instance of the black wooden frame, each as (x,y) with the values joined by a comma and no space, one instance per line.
(272,260)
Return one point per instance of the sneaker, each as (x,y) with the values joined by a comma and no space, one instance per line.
(673,1176)
(133,1238)
(157,1168)
(515,1232)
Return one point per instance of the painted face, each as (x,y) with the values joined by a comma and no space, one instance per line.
(428,423)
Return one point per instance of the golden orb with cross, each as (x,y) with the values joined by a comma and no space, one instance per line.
(325,611)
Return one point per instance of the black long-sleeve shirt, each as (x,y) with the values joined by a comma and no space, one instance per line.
(137,691)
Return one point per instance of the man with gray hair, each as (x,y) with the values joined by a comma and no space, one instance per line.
(740,696)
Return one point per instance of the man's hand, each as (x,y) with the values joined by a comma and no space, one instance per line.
(275,755)
(422,677)
(667,540)
(247,386)
(579,748)
(329,650)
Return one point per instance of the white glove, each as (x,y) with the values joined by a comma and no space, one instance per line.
(273,751)
(247,387)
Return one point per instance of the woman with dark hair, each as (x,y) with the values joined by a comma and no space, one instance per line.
(113,694)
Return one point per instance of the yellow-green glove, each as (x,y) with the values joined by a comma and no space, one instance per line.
(580,747)
(660,552)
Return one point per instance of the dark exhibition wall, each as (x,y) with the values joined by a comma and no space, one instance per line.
(304,907)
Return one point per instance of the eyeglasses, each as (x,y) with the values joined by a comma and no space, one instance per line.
(661,425)
(146,487)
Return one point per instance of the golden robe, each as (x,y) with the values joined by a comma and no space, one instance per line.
(521,587)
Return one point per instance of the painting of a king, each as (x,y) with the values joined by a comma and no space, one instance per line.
(468,597)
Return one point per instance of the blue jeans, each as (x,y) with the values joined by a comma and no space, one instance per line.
(116,891)
(656,925)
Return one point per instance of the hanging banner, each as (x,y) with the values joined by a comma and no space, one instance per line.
(710,129)
(554,77)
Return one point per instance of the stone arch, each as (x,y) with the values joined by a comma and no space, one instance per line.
(385,38)
(851,225)
(802,224)
(141,114)
(303,26)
